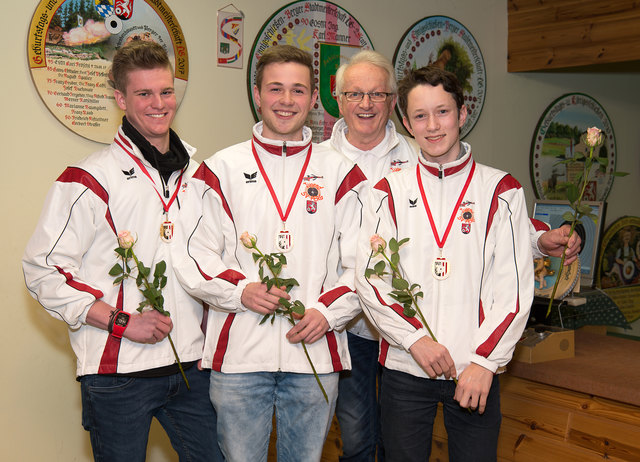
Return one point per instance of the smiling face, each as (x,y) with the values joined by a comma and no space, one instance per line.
(365,120)
(285,99)
(149,103)
(434,121)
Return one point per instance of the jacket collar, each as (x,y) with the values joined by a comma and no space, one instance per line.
(340,143)
(450,168)
(276,146)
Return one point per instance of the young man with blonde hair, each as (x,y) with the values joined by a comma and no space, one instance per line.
(126,366)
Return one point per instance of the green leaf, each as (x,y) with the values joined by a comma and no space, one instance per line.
(122,252)
(620,173)
(399,284)
(369,272)
(414,287)
(163,282)
(395,258)
(298,307)
(572,192)
(393,245)
(282,259)
(255,256)
(584,209)
(379,268)
(116,270)
(602,161)
(408,311)
(568,216)
(284,302)
(118,280)
(264,319)
(403,241)
(161,267)
(419,295)
(593,217)
(139,280)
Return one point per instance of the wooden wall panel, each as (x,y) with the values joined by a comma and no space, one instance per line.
(557,34)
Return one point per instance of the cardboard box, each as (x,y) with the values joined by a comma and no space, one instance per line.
(545,343)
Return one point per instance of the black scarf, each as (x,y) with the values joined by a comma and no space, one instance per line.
(176,158)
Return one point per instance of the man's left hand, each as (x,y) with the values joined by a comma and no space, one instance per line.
(473,387)
(310,328)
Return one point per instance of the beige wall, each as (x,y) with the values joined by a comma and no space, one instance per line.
(40,402)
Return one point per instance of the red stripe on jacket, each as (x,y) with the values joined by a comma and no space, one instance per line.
(223,343)
(507,183)
(383,185)
(353,178)
(80,176)
(205,174)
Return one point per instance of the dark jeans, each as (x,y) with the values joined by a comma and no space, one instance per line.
(117,412)
(357,409)
(409,405)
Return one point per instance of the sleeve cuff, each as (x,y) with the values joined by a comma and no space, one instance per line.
(237,295)
(412,338)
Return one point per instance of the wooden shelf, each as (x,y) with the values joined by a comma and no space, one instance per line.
(563,34)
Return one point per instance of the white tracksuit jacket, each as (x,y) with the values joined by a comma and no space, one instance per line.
(232,197)
(480,310)
(67,261)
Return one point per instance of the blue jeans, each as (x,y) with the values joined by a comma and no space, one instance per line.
(409,405)
(357,408)
(245,404)
(117,412)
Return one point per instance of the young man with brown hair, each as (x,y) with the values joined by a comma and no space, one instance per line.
(469,249)
(294,197)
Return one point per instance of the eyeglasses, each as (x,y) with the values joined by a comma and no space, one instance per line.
(374,96)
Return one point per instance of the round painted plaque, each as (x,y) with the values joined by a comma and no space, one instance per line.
(444,42)
(619,266)
(546,273)
(70,47)
(330,34)
(557,138)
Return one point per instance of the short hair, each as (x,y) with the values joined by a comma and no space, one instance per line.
(370,57)
(138,54)
(284,54)
(429,75)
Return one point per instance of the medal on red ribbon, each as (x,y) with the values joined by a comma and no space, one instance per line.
(166,227)
(284,238)
(441,268)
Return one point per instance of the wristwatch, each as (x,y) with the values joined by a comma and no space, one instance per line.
(119,323)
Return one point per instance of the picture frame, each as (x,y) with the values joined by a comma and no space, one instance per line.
(557,137)
(551,212)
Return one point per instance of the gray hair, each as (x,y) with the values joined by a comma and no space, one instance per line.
(371,57)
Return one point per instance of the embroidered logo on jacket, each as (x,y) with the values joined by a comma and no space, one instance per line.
(312,193)
(312,177)
(466,216)
(413,203)
(396,165)
(251,177)
(131,174)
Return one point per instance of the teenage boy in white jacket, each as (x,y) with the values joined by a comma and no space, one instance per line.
(294,197)
(469,249)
